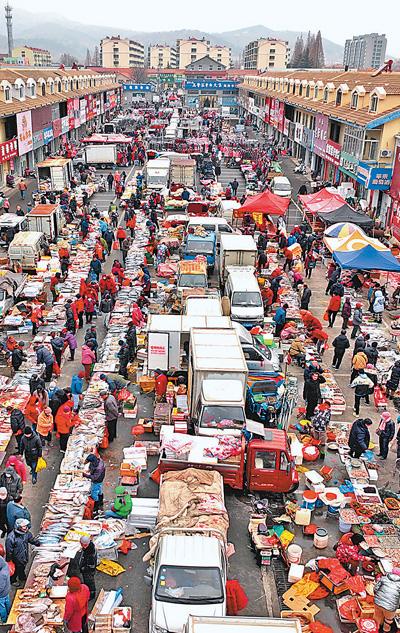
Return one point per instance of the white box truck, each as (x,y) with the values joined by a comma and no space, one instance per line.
(236,250)
(157,173)
(46,218)
(55,171)
(239,624)
(188,548)
(102,155)
(217,382)
(183,171)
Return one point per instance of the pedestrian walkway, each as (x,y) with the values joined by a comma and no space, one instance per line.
(227,176)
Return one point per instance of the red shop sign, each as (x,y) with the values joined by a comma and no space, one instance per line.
(8,150)
(395,186)
(332,152)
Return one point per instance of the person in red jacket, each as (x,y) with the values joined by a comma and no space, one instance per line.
(121,235)
(80,308)
(333,308)
(90,305)
(161,385)
(76,606)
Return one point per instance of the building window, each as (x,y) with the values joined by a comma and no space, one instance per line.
(300,90)
(354,100)
(7,94)
(33,90)
(373,106)
(307,91)
(316,90)
(339,97)
(325,98)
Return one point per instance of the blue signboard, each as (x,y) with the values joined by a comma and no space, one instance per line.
(212,85)
(48,134)
(374,178)
(138,87)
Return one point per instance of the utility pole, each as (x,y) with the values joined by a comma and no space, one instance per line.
(8,12)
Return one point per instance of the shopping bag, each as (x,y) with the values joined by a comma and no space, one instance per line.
(326,316)
(115,245)
(41,464)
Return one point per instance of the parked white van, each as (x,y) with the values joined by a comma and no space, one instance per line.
(26,249)
(280,186)
(211,225)
(244,295)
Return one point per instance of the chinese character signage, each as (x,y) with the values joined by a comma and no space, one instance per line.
(281,116)
(57,128)
(332,152)
(374,178)
(48,134)
(8,150)
(320,134)
(65,125)
(267,109)
(24,131)
(138,87)
(71,114)
(212,85)
(395,186)
(298,133)
(82,111)
(308,137)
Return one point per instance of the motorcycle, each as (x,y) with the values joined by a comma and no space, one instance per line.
(300,169)
(29,173)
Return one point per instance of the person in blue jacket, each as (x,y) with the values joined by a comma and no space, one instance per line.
(77,388)
(280,319)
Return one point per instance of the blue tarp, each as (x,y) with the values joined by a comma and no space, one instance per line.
(367,258)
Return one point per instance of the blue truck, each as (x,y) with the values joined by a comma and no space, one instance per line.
(201,245)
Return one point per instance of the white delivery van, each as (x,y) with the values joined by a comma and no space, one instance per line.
(211,224)
(26,249)
(157,173)
(244,294)
(280,186)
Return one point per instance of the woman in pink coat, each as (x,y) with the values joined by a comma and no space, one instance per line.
(88,358)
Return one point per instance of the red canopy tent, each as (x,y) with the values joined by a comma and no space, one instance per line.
(266,203)
(322,201)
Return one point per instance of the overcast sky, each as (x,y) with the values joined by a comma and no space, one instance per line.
(337,20)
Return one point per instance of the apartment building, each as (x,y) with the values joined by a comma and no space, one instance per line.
(32,56)
(192,49)
(365,51)
(120,52)
(162,56)
(343,125)
(266,54)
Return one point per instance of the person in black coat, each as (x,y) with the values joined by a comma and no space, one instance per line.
(372,353)
(17,422)
(34,382)
(18,356)
(124,355)
(393,383)
(84,564)
(340,344)
(131,340)
(312,393)
(305,297)
(385,432)
(359,437)
(337,289)
(31,447)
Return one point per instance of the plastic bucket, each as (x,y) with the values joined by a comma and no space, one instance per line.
(321,538)
(309,499)
(294,553)
(344,528)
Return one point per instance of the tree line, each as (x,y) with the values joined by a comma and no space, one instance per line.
(309,53)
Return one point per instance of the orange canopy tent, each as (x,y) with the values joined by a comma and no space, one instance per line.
(266,203)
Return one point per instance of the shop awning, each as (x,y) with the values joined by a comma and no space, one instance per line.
(367,258)
(322,201)
(266,203)
(107,138)
(346,213)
